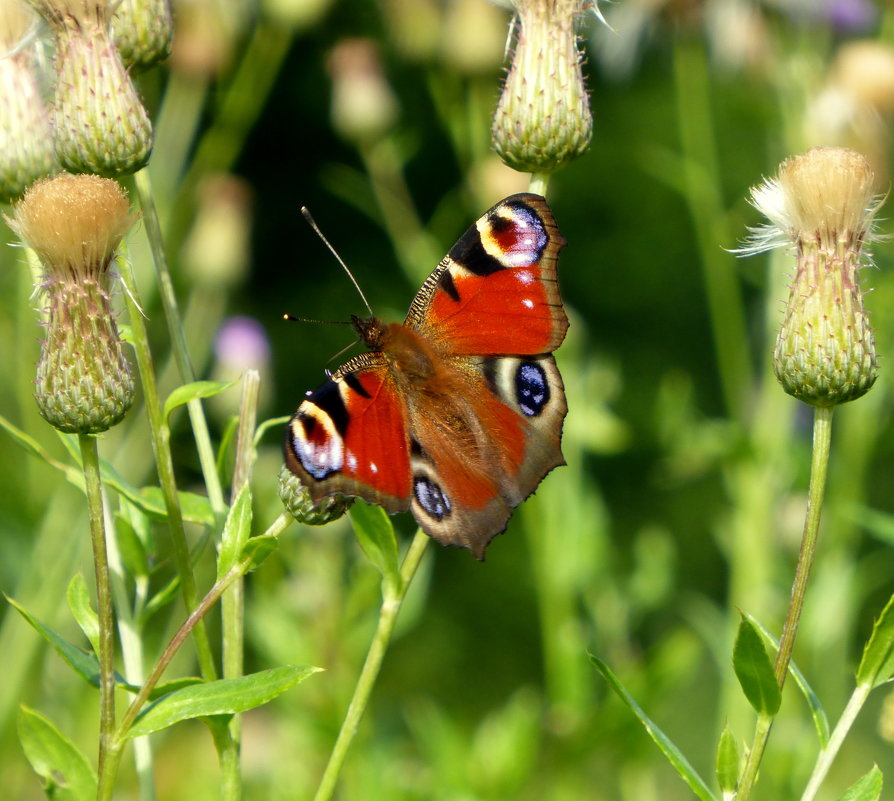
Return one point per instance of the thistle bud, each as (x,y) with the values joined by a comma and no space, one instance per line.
(99,123)
(75,223)
(543,118)
(26,141)
(296,498)
(822,202)
(143,31)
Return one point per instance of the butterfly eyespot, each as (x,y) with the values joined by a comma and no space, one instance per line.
(531,388)
(431,497)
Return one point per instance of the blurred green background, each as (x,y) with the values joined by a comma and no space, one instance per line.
(683,497)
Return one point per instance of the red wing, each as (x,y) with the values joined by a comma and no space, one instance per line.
(350,436)
(496,292)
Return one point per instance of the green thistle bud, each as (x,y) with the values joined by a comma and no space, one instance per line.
(99,123)
(543,118)
(822,201)
(26,141)
(75,223)
(296,498)
(143,31)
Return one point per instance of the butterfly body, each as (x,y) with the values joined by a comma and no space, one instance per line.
(457,413)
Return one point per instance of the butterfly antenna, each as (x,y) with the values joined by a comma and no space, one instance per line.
(310,221)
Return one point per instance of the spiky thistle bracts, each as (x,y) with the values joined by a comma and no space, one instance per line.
(75,224)
(99,123)
(822,202)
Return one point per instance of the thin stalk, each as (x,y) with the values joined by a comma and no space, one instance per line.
(178,344)
(839,733)
(239,569)
(90,466)
(165,466)
(233,600)
(368,675)
(822,436)
(539,183)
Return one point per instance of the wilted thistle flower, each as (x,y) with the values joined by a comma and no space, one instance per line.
(543,118)
(26,141)
(75,223)
(296,498)
(143,31)
(99,123)
(822,202)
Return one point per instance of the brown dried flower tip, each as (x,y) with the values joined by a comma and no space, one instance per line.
(99,123)
(822,202)
(75,223)
(543,119)
(26,142)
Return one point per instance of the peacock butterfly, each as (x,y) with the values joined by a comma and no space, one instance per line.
(456,414)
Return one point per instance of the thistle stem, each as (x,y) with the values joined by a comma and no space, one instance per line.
(822,436)
(368,675)
(93,484)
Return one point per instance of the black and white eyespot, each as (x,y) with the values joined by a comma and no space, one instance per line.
(531,388)
(430,497)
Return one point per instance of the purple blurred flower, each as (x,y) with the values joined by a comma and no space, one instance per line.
(850,16)
(242,343)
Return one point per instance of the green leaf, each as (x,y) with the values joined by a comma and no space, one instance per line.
(869,788)
(820,720)
(221,697)
(877,663)
(194,391)
(673,754)
(755,670)
(65,771)
(259,548)
(84,664)
(235,533)
(375,533)
(80,606)
(161,599)
(727,762)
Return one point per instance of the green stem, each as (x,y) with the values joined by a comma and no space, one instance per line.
(828,754)
(539,183)
(368,675)
(822,435)
(178,344)
(233,600)
(239,569)
(90,465)
(165,465)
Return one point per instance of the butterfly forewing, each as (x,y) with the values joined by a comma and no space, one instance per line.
(458,413)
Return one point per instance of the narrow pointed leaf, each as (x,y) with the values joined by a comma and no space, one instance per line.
(820,719)
(84,664)
(65,771)
(877,663)
(80,606)
(869,788)
(673,754)
(222,697)
(193,391)
(755,670)
(259,548)
(236,531)
(375,533)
